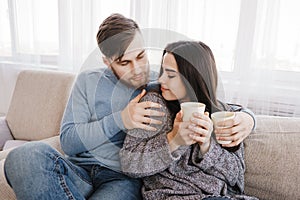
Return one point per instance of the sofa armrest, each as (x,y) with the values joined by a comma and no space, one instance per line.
(6,191)
(5,133)
(52,141)
(4,153)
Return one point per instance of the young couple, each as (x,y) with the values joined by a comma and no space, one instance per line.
(175,159)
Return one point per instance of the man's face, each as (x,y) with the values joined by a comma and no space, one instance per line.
(133,68)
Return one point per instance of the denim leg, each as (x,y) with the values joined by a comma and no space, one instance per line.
(36,171)
(112,185)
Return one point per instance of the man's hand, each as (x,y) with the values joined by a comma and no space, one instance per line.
(137,115)
(239,128)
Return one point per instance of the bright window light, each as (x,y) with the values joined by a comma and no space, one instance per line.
(5,40)
(37,27)
(288,42)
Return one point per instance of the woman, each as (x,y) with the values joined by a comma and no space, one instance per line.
(181,160)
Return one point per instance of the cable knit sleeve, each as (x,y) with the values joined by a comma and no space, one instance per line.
(226,165)
(145,153)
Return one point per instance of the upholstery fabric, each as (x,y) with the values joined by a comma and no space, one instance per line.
(6,191)
(38,104)
(13,143)
(272,159)
(5,133)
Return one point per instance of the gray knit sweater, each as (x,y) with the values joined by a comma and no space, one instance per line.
(184,173)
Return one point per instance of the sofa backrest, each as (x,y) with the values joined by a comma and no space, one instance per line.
(272,157)
(38,103)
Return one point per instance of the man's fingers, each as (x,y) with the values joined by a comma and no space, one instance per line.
(228,136)
(149,104)
(236,138)
(146,127)
(233,144)
(148,120)
(230,130)
(150,112)
(225,123)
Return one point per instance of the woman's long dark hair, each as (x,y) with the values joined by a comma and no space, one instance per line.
(197,67)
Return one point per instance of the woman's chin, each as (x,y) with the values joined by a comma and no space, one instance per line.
(168,97)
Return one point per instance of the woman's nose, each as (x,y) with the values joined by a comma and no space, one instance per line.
(161,79)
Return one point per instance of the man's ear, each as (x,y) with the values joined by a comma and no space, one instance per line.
(106,61)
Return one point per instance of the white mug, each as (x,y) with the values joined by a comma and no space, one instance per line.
(189,108)
(221,116)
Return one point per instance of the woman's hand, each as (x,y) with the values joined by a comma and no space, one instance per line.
(180,134)
(199,130)
(201,127)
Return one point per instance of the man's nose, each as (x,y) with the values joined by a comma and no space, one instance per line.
(136,68)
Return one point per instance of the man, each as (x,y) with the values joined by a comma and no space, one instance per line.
(99,110)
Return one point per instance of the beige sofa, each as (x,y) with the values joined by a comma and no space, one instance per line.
(271,152)
(272,156)
(35,113)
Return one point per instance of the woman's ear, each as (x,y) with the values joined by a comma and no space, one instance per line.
(106,61)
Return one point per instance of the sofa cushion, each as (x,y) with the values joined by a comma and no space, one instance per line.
(38,103)
(5,133)
(13,143)
(6,191)
(272,159)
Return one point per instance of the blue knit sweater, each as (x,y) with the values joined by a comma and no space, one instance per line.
(92,127)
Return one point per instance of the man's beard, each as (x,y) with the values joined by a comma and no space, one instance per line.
(128,83)
(142,83)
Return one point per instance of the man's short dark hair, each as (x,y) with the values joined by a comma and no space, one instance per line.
(115,34)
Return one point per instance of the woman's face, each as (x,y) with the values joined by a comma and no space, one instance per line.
(172,86)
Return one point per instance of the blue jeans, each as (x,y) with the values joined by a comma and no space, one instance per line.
(37,171)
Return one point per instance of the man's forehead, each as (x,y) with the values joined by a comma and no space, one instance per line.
(136,43)
(135,48)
